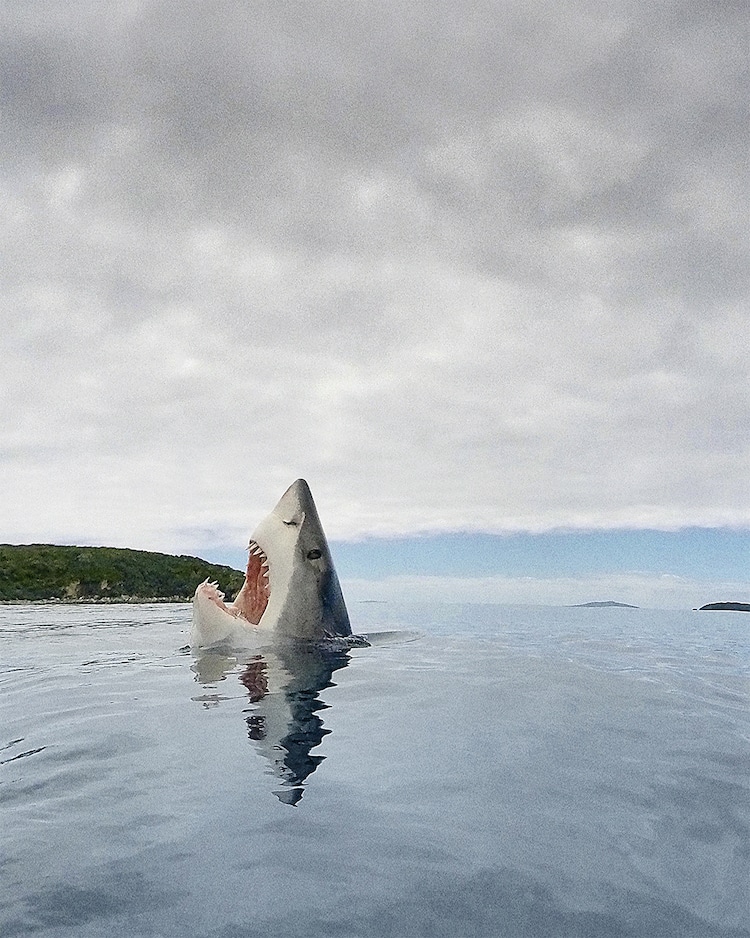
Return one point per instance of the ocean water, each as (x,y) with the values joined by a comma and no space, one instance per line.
(478,771)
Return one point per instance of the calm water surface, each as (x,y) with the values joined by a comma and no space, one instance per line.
(479,771)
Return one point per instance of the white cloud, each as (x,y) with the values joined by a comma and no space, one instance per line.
(457,276)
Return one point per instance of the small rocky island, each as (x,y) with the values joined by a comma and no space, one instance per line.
(608,604)
(727,607)
(49,573)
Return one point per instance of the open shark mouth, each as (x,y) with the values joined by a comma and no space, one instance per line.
(251,604)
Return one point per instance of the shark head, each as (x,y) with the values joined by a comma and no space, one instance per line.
(291,585)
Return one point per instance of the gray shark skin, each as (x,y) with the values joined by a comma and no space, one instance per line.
(291,590)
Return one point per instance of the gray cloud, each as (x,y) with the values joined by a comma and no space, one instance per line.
(480,268)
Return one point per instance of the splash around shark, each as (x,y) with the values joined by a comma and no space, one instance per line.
(291,590)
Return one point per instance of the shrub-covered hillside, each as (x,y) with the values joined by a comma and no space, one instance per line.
(44,571)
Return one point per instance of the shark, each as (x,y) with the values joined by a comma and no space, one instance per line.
(291,590)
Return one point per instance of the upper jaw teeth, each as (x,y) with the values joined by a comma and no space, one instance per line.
(257,551)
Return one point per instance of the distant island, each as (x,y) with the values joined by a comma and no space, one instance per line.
(605,605)
(731,607)
(48,573)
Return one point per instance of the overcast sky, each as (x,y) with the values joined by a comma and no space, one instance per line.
(474,267)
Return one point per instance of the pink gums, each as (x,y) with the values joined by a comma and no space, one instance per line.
(252,599)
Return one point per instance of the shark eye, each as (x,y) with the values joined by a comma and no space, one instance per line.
(314,554)
(291,524)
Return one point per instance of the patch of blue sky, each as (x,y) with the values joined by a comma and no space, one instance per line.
(693,553)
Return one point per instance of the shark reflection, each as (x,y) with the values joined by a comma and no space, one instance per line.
(283,684)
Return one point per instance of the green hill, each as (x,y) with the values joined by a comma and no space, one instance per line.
(37,572)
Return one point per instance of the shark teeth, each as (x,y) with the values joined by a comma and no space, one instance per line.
(257,551)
